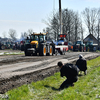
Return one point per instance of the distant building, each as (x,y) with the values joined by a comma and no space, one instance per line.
(4,40)
(89,38)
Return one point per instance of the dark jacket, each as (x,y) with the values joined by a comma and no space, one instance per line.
(82,64)
(69,70)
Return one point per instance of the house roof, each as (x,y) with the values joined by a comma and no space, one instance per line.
(90,37)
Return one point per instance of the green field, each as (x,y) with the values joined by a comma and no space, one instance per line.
(86,88)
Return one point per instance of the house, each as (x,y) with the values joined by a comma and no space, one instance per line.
(92,42)
(90,38)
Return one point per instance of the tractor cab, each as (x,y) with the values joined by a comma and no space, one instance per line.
(41,37)
(62,39)
(90,43)
(89,46)
(79,46)
(36,39)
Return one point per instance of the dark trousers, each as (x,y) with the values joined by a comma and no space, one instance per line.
(68,81)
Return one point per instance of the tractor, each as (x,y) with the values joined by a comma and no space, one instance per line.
(79,46)
(90,46)
(36,44)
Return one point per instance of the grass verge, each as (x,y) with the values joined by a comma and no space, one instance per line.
(86,88)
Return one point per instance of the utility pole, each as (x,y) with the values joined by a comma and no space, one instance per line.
(60,16)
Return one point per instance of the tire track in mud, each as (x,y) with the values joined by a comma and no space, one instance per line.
(40,71)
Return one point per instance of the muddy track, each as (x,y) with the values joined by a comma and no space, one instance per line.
(46,66)
(11,59)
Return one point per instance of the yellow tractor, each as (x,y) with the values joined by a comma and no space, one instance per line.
(36,44)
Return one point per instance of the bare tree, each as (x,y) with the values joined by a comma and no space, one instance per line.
(12,34)
(24,35)
(71,25)
(30,31)
(98,28)
(90,17)
(77,26)
(53,26)
(4,34)
(68,27)
(81,30)
(49,33)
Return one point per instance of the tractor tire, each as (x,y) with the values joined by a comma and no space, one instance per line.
(51,50)
(2,47)
(27,54)
(22,48)
(25,51)
(56,52)
(62,53)
(42,51)
(82,49)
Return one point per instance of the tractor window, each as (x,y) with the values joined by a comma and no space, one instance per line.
(41,38)
(79,42)
(34,37)
(45,37)
(90,43)
(27,41)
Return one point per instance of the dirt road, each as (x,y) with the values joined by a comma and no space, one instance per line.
(16,70)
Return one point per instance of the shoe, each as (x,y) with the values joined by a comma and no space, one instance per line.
(72,84)
(60,89)
(85,72)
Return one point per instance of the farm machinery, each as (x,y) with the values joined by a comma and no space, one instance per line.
(79,46)
(37,43)
(61,45)
(90,46)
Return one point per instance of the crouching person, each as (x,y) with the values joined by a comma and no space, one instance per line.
(70,71)
(81,63)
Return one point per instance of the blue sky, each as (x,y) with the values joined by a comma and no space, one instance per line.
(22,15)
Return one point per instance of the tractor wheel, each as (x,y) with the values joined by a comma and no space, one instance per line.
(81,49)
(25,51)
(2,47)
(22,48)
(61,52)
(56,52)
(51,51)
(27,54)
(42,51)
(64,51)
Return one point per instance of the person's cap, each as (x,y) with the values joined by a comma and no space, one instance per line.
(60,63)
(80,56)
